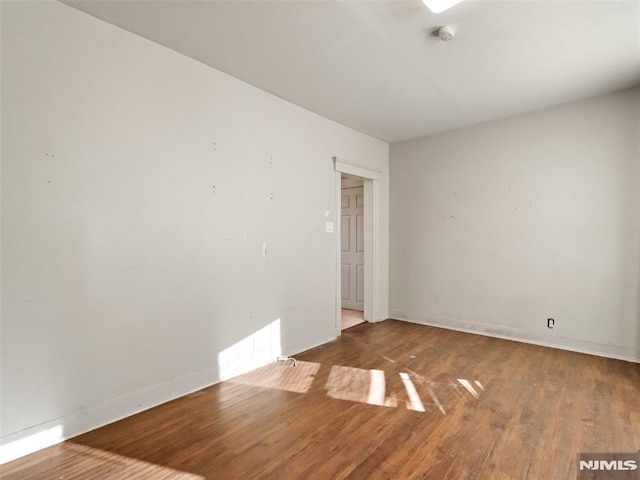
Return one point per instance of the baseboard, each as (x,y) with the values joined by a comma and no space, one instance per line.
(628,354)
(300,350)
(55,431)
(44,435)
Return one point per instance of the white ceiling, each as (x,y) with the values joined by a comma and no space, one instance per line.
(377,67)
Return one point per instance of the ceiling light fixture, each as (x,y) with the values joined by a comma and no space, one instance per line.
(446,33)
(439,6)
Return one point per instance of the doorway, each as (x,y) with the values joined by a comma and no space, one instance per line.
(352,251)
(370,270)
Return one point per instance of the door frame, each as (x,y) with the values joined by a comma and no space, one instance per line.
(371,178)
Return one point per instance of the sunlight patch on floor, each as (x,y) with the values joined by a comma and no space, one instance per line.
(415,403)
(355,385)
(281,376)
(72,460)
(467,385)
(377,388)
(370,386)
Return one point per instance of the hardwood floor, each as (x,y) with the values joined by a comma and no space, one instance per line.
(388,400)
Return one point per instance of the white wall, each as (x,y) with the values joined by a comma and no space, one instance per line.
(140,190)
(497,227)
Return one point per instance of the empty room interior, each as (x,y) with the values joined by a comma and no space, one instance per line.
(320,239)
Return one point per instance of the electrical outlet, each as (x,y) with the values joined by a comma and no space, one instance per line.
(551,323)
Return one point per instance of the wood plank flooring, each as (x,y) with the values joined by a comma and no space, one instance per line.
(385,401)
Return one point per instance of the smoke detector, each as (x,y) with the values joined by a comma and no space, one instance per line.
(446,33)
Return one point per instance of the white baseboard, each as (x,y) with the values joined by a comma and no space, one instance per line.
(628,354)
(46,434)
(300,350)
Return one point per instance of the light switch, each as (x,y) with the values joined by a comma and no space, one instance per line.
(329,227)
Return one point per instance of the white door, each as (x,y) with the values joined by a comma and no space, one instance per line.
(352,243)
